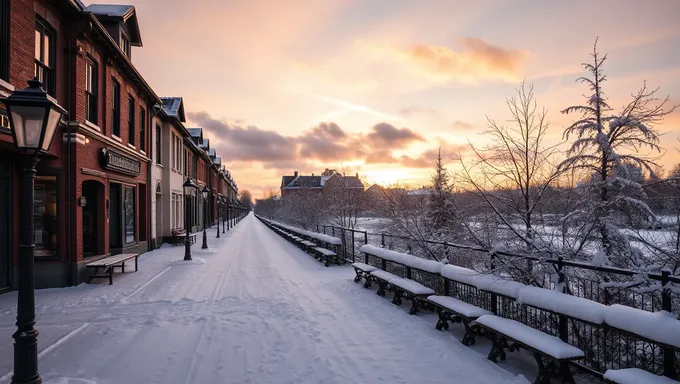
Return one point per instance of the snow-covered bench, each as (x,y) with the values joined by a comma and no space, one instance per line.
(402,286)
(327,256)
(363,271)
(635,376)
(457,311)
(551,353)
(326,247)
(661,328)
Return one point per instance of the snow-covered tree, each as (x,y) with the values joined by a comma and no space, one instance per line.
(608,143)
(441,213)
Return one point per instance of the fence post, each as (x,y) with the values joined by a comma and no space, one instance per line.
(667,305)
(494,298)
(317,228)
(365,237)
(344,244)
(353,247)
(563,325)
(333,228)
(382,240)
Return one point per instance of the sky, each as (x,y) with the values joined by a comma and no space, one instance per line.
(376,86)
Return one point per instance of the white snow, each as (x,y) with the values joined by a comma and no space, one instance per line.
(412,286)
(558,302)
(636,376)
(325,251)
(486,282)
(384,275)
(403,258)
(459,306)
(319,236)
(260,311)
(662,326)
(548,344)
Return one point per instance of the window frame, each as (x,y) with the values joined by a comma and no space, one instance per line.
(4,39)
(132,110)
(43,28)
(159,143)
(115,105)
(142,129)
(133,191)
(91,90)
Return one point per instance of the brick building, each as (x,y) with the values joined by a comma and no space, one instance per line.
(329,179)
(94,190)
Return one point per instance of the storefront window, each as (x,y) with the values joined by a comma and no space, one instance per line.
(129,208)
(45,216)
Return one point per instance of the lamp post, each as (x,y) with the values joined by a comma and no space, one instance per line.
(189,187)
(34,117)
(224,211)
(217,201)
(205,192)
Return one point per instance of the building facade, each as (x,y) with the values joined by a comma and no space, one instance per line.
(99,189)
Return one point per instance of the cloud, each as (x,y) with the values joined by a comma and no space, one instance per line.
(418,110)
(450,153)
(325,143)
(477,61)
(460,124)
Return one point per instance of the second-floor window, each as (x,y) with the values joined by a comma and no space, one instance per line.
(4,39)
(142,129)
(125,45)
(91,91)
(158,144)
(44,56)
(115,107)
(131,120)
(174,152)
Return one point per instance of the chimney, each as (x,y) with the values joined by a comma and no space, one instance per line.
(357,175)
(295,174)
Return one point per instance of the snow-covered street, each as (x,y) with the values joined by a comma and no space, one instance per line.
(253,309)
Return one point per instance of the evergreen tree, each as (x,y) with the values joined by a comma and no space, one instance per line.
(441,208)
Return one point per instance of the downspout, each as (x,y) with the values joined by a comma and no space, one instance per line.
(69,187)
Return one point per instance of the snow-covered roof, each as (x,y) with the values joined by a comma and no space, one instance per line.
(174,106)
(195,132)
(212,152)
(125,14)
(218,160)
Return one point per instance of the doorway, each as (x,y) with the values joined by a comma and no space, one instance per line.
(92,192)
(5,219)
(115,219)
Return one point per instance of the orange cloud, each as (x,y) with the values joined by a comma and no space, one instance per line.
(478,61)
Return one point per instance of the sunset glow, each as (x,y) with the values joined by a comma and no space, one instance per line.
(276,75)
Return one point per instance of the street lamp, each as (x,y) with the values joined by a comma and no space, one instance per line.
(205,192)
(224,211)
(218,199)
(34,117)
(189,187)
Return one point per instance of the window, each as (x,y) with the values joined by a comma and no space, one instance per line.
(174,151)
(44,56)
(131,120)
(115,113)
(4,40)
(129,214)
(46,225)
(158,144)
(125,45)
(142,129)
(91,87)
(178,217)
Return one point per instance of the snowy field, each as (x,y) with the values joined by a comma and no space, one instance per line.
(253,309)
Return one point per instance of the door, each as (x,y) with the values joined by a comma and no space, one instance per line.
(4,235)
(90,218)
(115,219)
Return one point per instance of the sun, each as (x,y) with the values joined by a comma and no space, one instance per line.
(389,176)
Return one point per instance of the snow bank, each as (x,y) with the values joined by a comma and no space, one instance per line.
(636,376)
(549,344)
(572,306)
(486,282)
(193,261)
(662,326)
(403,258)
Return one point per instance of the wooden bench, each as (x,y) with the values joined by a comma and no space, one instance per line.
(457,311)
(382,278)
(410,290)
(179,237)
(326,256)
(108,264)
(363,271)
(552,354)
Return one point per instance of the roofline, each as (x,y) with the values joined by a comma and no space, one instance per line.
(121,55)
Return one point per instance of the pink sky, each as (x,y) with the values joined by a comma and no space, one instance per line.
(375,86)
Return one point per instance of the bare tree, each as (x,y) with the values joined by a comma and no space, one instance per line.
(513,173)
(246,198)
(608,144)
(344,199)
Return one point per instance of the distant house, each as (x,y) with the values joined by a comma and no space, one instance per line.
(328,180)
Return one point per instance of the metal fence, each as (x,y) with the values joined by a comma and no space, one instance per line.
(604,347)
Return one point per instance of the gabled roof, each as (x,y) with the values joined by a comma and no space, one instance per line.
(348,181)
(196,134)
(285,180)
(174,106)
(305,182)
(218,161)
(204,144)
(122,13)
(212,153)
